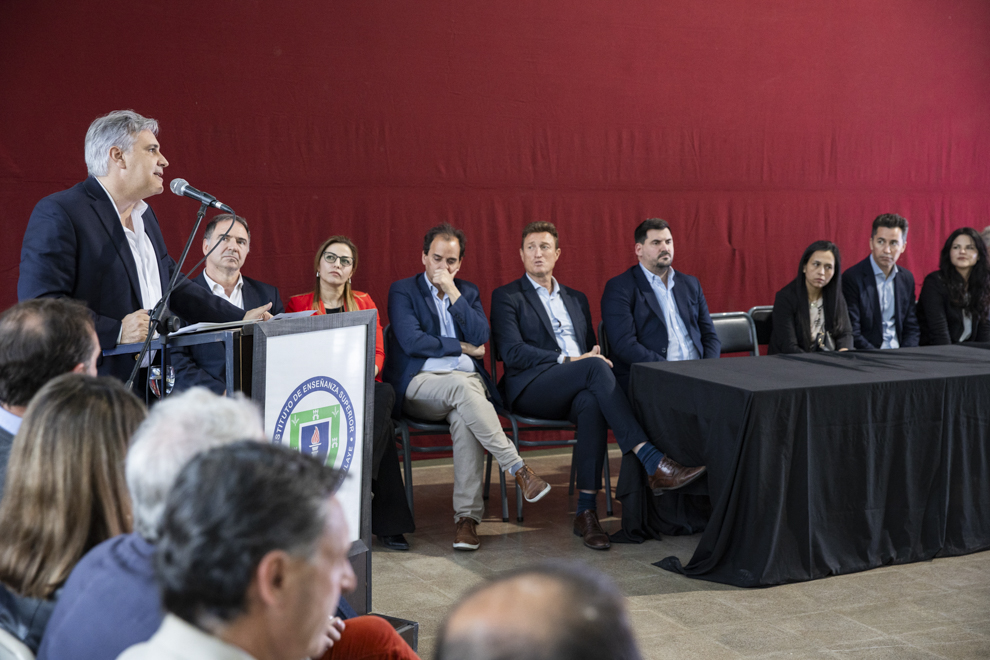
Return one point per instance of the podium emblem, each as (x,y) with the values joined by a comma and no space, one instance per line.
(318,420)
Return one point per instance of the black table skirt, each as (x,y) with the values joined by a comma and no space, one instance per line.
(825,464)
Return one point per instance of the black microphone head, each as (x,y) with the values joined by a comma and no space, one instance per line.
(177,185)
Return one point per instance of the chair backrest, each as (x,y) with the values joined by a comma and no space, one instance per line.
(602,339)
(12,648)
(763,320)
(736,332)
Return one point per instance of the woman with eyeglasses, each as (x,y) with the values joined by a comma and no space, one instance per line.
(810,313)
(955,299)
(335,263)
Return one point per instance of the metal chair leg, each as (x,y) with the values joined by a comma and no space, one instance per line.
(570,486)
(488,479)
(608,484)
(407,465)
(519,493)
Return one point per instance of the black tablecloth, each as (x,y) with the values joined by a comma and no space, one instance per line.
(822,464)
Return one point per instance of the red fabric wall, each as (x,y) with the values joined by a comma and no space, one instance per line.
(753,126)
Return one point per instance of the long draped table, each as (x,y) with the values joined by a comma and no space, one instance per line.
(822,464)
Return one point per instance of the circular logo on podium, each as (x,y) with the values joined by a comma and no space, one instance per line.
(318,419)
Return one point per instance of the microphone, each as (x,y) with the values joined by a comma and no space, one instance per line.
(182,188)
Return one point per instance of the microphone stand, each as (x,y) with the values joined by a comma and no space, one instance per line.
(158,312)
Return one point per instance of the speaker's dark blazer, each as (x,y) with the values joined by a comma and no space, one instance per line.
(635,325)
(525,340)
(859,285)
(792,322)
(416,332)
(75,247)
(941,323)
(204,364)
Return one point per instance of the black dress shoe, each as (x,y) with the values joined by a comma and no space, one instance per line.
(394,542)
(586,525)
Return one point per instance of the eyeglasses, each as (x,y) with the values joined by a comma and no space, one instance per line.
(331,258)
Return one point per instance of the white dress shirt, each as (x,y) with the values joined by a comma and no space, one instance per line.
(236,297)
(885,291)
(178,640)
(679,344)
(560,319)
(460,362)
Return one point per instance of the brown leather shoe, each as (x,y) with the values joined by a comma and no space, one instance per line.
(671,475)
(586,524)
(533,487)
(466,536)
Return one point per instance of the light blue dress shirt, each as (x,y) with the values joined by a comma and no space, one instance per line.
(560,319)
(10,422)
(460,362)
(679,344)
(885,291)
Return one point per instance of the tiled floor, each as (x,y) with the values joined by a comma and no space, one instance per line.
(938,609)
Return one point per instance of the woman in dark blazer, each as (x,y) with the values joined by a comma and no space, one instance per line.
(960,288)
(810,314)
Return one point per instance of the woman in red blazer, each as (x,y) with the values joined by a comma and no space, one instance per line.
(335,263)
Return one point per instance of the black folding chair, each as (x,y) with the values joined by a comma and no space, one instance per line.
(407,428)
(762,316)
(737,332)
(539,424)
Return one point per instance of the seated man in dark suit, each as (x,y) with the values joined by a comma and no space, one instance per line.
(653,314)
(555,370)
(99,242)
(879,295)
(434,365)
(204,364)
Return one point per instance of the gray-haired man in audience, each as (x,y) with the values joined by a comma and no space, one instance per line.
(550,611)
(39,340)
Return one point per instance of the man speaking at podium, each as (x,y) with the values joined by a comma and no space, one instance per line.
(99,242)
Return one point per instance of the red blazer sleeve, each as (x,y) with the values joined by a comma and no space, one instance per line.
(300,303)
(364,301)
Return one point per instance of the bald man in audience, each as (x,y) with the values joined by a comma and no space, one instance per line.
(39,340)
(546,612)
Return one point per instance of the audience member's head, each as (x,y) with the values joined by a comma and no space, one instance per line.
(39,340)
(176,430)
(964,269)
(551,611)
(253,548)
(65,489)
(335,263)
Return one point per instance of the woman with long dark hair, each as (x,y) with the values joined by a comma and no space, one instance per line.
(335,264)
(955,299)
(810,314)
(65,493)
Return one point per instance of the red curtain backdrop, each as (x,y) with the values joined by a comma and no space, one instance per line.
(753,126)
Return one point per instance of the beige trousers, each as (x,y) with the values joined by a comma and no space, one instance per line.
(461,398)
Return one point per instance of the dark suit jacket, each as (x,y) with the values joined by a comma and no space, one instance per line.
(859,285)
(204,364)
(792,324)
(525,340)
(75,247)
(635,326)
(416,332)
(941,323)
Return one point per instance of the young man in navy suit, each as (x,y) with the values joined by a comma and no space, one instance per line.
(653,314)
(434,364)
(204,364)
(879,294)
(99,242)
(554,369)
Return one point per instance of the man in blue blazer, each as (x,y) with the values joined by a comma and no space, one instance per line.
(653,314)
(555,370)
(204,364)
(99,242)
(879,294)
(439,331)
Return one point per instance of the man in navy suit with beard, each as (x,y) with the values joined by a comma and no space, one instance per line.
(653,314)
(204,364)
(99,242)
(554,369)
